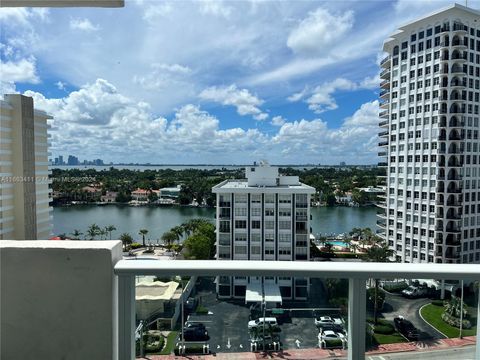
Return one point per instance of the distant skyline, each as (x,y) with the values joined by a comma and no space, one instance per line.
(217,82)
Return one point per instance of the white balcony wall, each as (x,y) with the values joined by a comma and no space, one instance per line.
(59,299)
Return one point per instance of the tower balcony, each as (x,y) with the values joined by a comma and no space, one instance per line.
(385,74)
(386,62)
(384,94)
(384,114)
(383,123)
(385,84)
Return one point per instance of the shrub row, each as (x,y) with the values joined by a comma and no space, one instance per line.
(438,303)
(453,321)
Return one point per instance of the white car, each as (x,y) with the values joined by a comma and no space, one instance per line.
(330,335)
(268,321)
(323,320)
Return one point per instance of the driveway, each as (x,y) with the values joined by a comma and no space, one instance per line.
(409,308)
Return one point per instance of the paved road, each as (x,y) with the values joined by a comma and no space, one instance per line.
(464,353)
(409,308)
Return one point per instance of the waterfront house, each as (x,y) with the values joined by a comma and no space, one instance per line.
(109,197)
(140,195)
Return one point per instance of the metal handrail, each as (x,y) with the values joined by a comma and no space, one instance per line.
(357,273)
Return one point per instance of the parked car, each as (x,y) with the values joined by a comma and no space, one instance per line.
(190,325)
(195,334)
(190,305)
(330,335)
(259,322)
(323,320)
(406,328)
(332,327)
(414,292)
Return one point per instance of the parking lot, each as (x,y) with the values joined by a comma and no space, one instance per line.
(227,323)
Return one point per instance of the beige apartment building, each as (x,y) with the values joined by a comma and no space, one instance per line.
(25,194)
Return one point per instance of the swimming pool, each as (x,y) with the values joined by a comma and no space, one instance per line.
(337,243)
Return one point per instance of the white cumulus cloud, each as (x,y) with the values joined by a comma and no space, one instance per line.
(83,25)
(318,30)
(245,102)
(23,70)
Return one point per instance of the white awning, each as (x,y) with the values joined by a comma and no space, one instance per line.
(254,293)
(272,293)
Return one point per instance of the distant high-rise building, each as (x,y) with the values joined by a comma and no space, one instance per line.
(342,163)
(25,211)
(430,138)
(263,217)
(72,160)
(60,160)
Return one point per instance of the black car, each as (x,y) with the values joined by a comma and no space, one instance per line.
(190,325)
(190,305)
(195,334)
(406,328)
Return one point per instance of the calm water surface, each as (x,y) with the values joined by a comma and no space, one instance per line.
(158,220)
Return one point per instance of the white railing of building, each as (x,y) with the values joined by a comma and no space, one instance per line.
(356,273)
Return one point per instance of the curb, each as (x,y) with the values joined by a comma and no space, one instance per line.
(433,327)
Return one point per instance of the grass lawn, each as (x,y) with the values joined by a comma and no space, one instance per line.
(168,349)
(389,339)
(433,314)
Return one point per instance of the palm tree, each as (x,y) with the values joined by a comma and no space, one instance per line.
(126,239)
(354,247)
(103,234)
(169,237)
(379,252)
(109,229)
(143,232)
(76,234)
(93,231)
(348,242)
(178,231)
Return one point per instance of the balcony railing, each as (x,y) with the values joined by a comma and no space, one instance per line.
(356,273)
(385,60)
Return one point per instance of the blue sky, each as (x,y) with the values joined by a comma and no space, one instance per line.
(206,81)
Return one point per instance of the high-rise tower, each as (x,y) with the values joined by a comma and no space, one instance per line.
(429,138)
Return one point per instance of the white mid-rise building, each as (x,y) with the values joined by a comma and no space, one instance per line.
(429,138)
(25,193)
(263,217)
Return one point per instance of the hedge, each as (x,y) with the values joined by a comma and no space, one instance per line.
(386,329)
(438,303)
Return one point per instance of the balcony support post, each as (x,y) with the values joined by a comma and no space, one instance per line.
(357,303)
(126,317)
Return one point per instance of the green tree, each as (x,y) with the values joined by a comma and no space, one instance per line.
(123,197)
(178,231)
(76,234)
(330,199)
(126,239)
(93,231)
(143,232)
(199,247)
(359,196)
(152,197)
(379,252)
(110,229)
(169,238)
